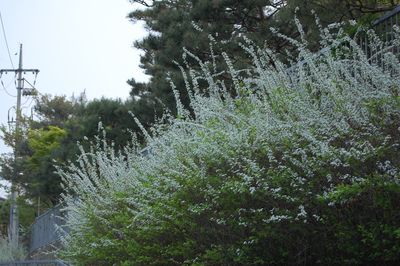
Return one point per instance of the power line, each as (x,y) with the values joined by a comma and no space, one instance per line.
(5,39)
(27,100)
(5,88)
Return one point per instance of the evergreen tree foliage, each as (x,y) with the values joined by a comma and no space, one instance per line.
(298,166)
(52,137)
(170,27)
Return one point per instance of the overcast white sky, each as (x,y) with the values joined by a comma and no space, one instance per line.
(76,44)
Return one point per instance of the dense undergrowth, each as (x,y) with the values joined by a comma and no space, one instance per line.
(296,166)
(10,251)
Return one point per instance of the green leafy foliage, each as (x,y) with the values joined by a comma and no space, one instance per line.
(52,138)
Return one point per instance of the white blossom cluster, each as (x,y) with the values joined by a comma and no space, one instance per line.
(271,133)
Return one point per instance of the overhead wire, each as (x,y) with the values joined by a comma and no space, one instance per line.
(28,107)
(27,100)
(9,56)
(31,102)
(5,87)
(12,64)
(6,91)
(5,39)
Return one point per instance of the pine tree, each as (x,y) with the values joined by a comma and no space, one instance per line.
(170,26)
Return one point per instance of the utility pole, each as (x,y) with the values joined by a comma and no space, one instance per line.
(14,223)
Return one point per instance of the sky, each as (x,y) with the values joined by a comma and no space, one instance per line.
(78,45)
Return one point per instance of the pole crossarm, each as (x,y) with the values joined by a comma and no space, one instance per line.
(19,70)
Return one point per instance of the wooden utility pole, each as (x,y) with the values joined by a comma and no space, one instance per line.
(14,223)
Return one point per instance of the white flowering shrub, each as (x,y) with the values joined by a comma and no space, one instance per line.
(278,165)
